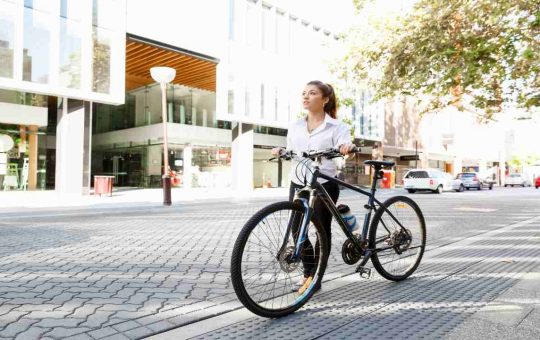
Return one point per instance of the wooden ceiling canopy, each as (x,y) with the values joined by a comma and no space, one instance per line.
(190,70)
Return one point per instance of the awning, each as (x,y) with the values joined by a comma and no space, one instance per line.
(192,69)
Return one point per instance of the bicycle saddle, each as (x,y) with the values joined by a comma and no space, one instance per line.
(379,164)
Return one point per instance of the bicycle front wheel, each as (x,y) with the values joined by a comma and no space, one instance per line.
(398,237)
(264,276)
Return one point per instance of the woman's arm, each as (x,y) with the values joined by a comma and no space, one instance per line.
(343,139)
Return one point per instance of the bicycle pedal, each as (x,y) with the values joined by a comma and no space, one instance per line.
(364,272)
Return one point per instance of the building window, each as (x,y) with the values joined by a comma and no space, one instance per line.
(231,19)
(251,24)
(266,31)
(230,101)
(70,44)
(294,37)
(262,101)
(247,108)
(7,37)
(103,22)
(275,103)
(282,33)
(37,41)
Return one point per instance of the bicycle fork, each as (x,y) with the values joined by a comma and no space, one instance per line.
(307,206)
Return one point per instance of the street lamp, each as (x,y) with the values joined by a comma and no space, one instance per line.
(164,75)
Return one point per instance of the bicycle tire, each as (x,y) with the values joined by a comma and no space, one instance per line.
(397,238)
(239,257)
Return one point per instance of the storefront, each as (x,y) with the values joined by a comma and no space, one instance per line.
(26,145)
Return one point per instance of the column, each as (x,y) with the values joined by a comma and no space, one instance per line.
(204,117)
(242,157)
(182,114)
(193,116)
(32,157)
(458,164)
(188,170)
(73,147)
(424,159)
(502,168)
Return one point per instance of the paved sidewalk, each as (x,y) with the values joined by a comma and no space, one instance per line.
(137,270)
(18,201)
(484,287)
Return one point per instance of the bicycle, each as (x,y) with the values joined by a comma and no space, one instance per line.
(393,237)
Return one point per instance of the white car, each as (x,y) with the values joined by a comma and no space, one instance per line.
(431,180)
(516,179)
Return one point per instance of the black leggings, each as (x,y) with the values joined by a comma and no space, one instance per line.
(322,214)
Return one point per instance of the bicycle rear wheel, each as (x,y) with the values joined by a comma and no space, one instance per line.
(263,277)
(398,247)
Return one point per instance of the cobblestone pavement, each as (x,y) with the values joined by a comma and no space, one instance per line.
(137,272)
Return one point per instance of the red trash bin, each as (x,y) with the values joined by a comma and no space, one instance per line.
(387,182)
(103,185)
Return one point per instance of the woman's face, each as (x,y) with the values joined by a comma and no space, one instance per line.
(312,99)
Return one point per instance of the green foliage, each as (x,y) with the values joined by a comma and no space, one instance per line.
(349,122)
(476,54)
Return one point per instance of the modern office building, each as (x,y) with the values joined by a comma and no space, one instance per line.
(240,73)
(77,99)
(57,58)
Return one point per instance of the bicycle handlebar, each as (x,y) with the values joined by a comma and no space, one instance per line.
(328,154)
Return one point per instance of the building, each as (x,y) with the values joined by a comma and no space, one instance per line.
(77,99)
(58,57)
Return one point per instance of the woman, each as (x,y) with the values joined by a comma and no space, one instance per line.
(319,130)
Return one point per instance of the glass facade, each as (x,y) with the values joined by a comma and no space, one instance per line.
(37,45)
(368,117)
(185,105)
(26,151)
(7,37)
(65,48)
(70,45)
(140,164)
(273,54)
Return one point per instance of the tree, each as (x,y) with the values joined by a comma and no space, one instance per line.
(478,55)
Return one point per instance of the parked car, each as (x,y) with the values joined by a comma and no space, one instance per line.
(474,180)
(537,182)
(430,180)
(455,184)
(515,179)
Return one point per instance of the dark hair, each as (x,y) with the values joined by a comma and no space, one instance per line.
(327,92)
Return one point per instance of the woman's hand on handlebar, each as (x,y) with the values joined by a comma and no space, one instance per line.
(277,151)
(347,148)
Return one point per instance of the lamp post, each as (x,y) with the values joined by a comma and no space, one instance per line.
(164,75)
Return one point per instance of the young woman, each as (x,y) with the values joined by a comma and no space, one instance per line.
(319,130)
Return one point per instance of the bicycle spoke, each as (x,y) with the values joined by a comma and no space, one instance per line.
(399,239)
(268,277)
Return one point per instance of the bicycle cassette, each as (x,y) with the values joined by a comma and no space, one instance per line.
(349,253)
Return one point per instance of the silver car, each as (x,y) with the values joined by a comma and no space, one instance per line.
(473,180)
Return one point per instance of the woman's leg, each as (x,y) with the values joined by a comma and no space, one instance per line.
(323,214)
(308,255)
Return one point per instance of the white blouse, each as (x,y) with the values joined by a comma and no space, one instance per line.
(330,134)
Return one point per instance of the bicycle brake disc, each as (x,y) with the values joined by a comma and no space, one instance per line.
(284,260)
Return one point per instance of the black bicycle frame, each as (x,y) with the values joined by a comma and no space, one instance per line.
(318,191)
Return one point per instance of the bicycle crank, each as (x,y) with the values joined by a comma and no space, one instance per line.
(350,253)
